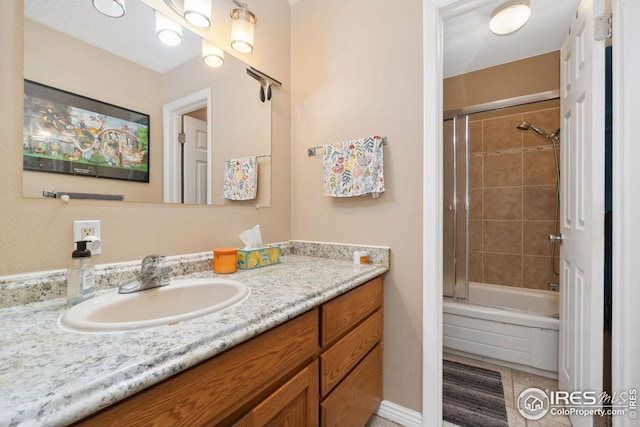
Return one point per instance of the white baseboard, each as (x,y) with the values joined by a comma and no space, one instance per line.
(399,414)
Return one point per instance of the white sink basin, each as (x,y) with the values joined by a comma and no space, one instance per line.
(181,300)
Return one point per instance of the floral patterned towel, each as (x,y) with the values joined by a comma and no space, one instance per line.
(354,168)
(240,178)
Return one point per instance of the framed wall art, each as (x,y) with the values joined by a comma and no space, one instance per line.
(71,134)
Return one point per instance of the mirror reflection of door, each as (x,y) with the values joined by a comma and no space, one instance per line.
(195,164)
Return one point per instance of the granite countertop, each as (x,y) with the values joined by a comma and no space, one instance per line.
(49,376)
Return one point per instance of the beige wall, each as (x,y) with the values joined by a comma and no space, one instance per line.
(36,234)
(357,71)
(502,82)
(241,123)
(57,60)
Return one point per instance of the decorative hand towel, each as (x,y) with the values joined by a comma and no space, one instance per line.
(240,178)
(354,168)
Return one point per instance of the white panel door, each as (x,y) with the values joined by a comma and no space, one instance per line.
(582,207)
(196,161)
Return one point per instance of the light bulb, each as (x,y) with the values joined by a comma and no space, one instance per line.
(198,12)
(212,55)
(242,29)
(169,32)
(111,8)
(510,17)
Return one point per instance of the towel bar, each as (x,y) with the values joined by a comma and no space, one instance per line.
(85,196)
(311,151)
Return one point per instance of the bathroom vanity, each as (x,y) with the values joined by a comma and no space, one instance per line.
(304,348)
(274,378)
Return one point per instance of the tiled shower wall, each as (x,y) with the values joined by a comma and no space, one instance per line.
(512,191)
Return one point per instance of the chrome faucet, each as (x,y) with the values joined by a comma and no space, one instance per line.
(153,274)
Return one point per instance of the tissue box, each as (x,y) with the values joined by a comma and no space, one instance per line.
(259,257)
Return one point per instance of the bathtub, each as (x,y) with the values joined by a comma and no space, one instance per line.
(507,326)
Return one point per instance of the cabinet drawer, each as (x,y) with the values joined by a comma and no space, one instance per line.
(344,312)
(336,362)
(353,401)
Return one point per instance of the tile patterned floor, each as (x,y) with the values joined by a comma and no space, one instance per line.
(513,382)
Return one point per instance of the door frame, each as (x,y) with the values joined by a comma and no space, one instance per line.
(626,204)
(626,200)
(172,119)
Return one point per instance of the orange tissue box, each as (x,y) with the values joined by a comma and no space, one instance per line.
(260,257)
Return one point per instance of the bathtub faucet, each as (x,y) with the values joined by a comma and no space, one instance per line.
(554,287)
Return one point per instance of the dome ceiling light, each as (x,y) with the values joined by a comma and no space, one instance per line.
(510,17)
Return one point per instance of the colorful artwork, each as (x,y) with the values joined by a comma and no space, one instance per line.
(68,133)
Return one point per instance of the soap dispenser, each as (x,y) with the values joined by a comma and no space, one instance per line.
(80,275)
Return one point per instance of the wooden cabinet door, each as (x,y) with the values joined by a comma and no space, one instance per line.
(353,401)
(295,404)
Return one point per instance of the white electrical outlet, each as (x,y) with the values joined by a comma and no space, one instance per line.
(87,228)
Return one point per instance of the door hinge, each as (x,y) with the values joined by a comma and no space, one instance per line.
(603,27)
(182,138)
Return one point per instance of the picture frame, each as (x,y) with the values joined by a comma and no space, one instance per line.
(72,134)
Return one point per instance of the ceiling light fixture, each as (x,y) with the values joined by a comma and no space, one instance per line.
(198,12)
(242,28)
(169,32)
(111,8)
(195,12)
(212,55)
(510,17)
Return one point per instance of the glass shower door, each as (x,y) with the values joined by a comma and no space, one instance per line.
(455,205)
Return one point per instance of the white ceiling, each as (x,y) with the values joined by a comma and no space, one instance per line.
(132,36)
(469,45)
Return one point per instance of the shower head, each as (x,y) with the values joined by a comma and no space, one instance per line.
(526,126)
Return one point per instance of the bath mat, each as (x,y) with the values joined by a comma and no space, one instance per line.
(472,396)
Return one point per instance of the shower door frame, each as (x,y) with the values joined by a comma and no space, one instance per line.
(456,210)
(452,260)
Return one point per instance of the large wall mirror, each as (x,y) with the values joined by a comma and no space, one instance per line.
(72,47)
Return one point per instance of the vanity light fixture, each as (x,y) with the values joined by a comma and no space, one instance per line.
(111,8)
(510,17)
(198,12)
(212,55)
(242,28)
(169,32)
(195,12)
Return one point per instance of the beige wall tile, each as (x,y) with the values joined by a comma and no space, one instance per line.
(501,133)
(502,203)
(537,272)
(475,267)
(538,202)
(546,120)
(475,172)
(502,237)
(475,204)
(535,237)
(516,201)
(503,170)
(502,269)
(475,235)
(475,137)
(539,168)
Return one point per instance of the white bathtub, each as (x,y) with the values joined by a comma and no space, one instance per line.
(513,327)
